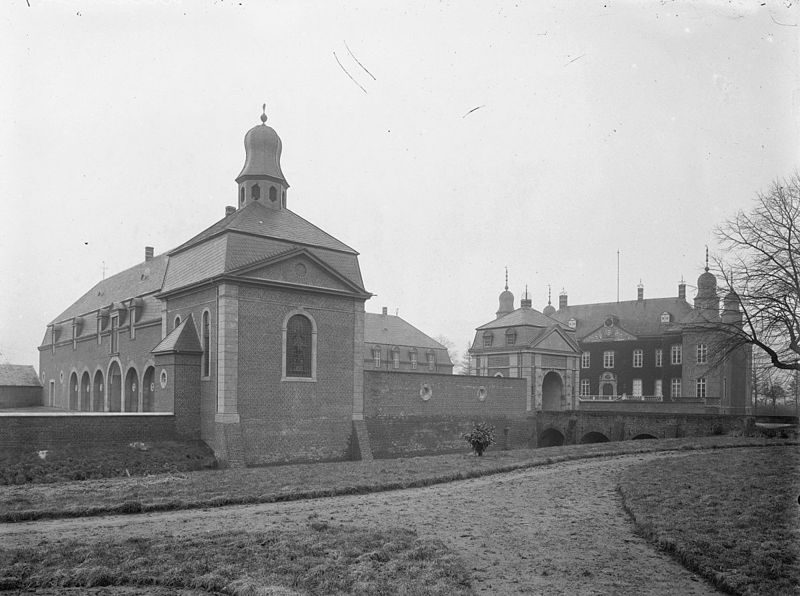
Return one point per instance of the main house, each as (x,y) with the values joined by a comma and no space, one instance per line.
(648,349)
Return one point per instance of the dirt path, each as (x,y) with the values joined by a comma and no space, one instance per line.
(557,529)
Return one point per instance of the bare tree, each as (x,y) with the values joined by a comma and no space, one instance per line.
(759,269)
(451,351)
(464,363)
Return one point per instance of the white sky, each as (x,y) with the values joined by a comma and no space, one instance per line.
(603,126)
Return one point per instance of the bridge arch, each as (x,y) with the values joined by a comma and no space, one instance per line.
(594,437)
(551,438)
(552,391)
(644,436)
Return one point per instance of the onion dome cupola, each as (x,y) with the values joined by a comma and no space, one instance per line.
(549,310)
(707,297)
(506,301)
(261,178)
(731,313)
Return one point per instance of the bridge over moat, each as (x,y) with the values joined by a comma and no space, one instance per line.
(553,428)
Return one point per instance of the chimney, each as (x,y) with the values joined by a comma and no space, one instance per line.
(562,300)
(385,311)
(148,253)
(682,290)
(229,210)
(640,291)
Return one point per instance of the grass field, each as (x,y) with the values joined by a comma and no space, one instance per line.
(116,460)
(735,520)
(319,559)
(211,488)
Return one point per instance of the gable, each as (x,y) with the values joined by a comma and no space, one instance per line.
(555,342)
(297,268)
(605,333)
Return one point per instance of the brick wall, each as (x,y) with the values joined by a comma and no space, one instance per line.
(401,423)
(34,432)
(20,397)
(295,420)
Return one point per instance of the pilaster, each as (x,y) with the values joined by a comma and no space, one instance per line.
(358,361)
(227,353)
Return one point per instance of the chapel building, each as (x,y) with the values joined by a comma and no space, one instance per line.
(251,332)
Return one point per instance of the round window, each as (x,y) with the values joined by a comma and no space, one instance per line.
(481,393)
(425,392)
(163,378)
(609,322)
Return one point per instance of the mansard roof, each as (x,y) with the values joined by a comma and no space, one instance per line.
(252,234)
(391,330)
(278,224)
(638,317)
(143,278)
(524,316)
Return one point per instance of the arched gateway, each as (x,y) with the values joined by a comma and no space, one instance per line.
(552,391)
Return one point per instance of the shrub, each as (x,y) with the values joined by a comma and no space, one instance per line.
(480,437)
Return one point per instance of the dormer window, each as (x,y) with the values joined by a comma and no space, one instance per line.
(511,337)
(488,339)
(665,317)
(572,323)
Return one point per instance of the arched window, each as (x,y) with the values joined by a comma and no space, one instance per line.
(241,196)
(298,347)
(273,194)
(177,322)
(206,365)
(255,192)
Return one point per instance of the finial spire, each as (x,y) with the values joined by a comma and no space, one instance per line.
(706,257)
(506,278)
(548,294)
(263,113)
(526,291)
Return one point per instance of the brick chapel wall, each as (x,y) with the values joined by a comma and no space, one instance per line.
(286,421)
(401,423)
(34,432)
(196,304)
(91,356)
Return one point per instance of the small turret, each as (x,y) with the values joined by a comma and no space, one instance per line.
(707,298)
(261,178)
(731,313)
(506,300)
(549,310)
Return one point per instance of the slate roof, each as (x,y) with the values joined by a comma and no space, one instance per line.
(639,317)
(520,317)
(144,278)
(18,375)
(183,339)
(391,330)
(280,224)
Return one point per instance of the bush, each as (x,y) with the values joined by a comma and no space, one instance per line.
(480,437)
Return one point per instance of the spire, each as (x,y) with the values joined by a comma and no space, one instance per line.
(264,114)
(507,278)
(548,294)
(706,258)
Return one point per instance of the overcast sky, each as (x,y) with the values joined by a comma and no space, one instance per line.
(477,135)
